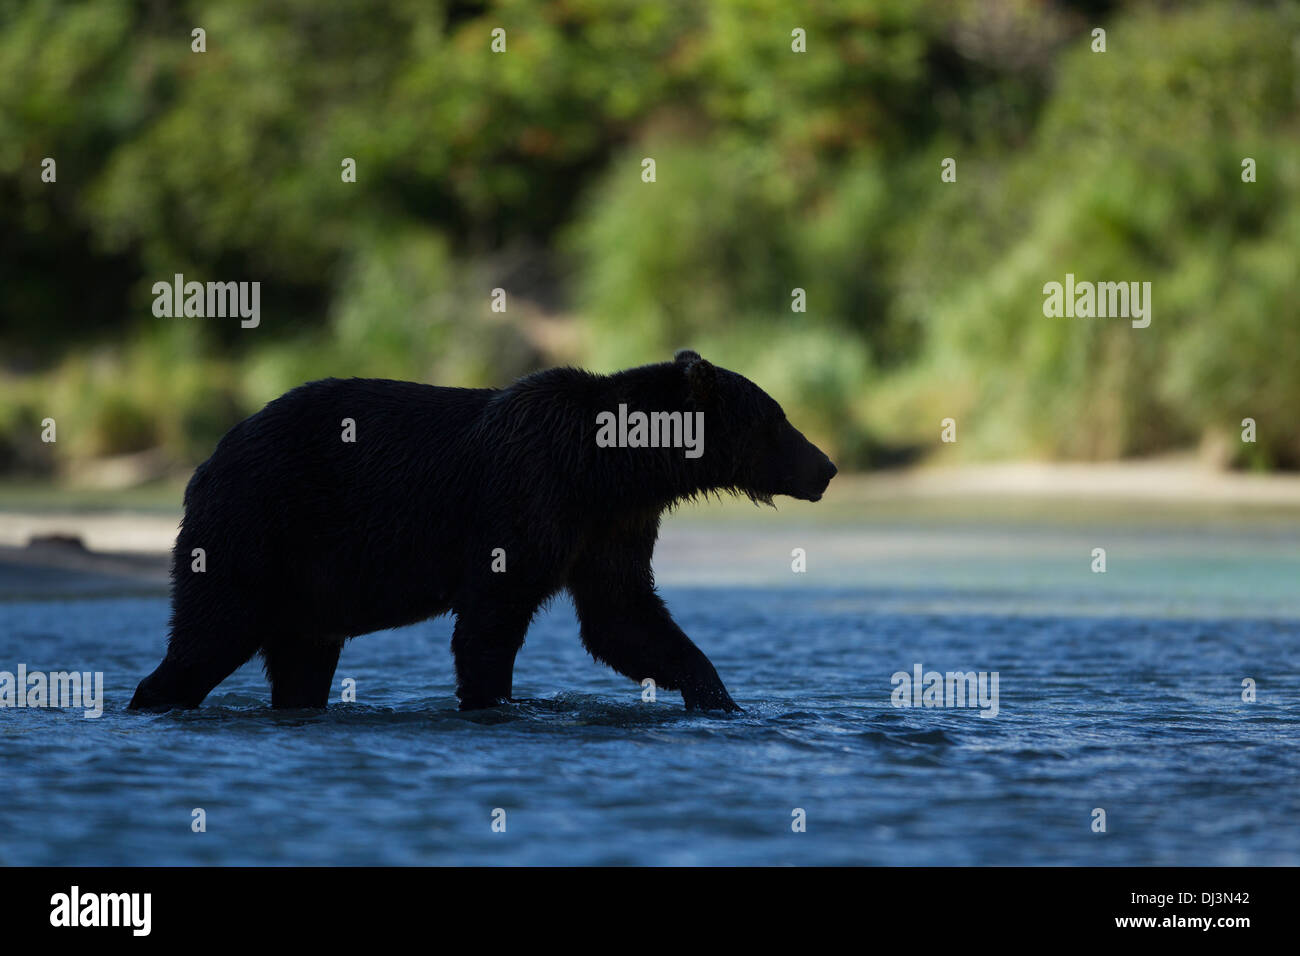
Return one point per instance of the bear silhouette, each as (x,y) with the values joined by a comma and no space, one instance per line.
(479,502)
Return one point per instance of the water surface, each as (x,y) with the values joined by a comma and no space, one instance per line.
(1119,691)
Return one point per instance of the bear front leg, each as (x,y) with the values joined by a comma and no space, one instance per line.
(625,624)
(484,644)
(639,639)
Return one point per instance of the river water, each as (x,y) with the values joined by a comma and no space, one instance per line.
(1119,692)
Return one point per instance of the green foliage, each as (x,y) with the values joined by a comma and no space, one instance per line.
(775,170)
(1110,192)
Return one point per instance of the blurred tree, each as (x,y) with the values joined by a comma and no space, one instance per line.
(777,170)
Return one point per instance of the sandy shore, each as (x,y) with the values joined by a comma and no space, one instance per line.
(122,551)
(46,570)
(1173,480)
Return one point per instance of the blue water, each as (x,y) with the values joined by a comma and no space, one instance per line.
(1138,714)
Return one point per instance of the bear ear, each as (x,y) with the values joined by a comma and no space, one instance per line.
(701,378)
(685,356)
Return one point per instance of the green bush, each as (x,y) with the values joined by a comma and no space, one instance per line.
(775,171)
(1111,191)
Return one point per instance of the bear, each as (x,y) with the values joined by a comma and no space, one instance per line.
(352,505)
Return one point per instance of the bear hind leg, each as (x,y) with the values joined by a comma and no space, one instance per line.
(301,672)
(484,645)
(195,663)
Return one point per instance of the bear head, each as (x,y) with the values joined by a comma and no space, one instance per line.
(750,446)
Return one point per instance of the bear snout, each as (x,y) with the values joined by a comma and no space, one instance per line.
(827,472)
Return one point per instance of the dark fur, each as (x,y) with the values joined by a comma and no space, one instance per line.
(310,540)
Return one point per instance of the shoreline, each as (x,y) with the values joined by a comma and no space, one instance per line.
(50,551)
(1178,480)
(997,491)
